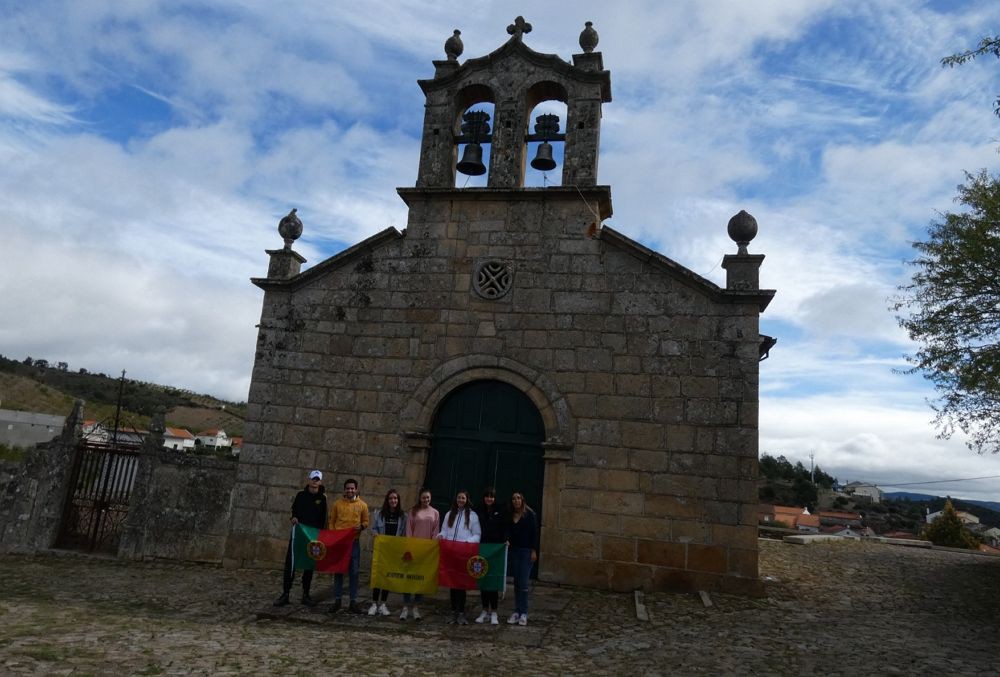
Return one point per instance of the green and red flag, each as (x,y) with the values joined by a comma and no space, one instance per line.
(473,566)
(325,550)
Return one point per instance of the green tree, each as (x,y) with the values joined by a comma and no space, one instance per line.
(987,45)
(951,310)
(947,530)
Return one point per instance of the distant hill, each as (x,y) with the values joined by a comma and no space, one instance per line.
(909,496)
(35,385)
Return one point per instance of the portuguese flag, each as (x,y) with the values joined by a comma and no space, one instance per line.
(325,550)
(473,566)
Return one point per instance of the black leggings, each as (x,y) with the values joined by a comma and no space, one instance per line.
(377,592)
(490,599)
(457,600)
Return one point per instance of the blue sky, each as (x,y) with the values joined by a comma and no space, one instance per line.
(148,149)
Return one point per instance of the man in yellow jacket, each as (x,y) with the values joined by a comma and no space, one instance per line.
(348,512)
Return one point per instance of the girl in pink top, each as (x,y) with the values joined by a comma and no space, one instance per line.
(423,521)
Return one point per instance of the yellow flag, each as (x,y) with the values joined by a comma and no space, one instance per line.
(402,564)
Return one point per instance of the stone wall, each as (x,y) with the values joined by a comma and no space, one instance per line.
(33,492)
(180,507)
(644,373)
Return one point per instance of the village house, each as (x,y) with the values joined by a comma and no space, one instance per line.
(865,491)
(213,438)
(966,517)
(178,439)
(508,337)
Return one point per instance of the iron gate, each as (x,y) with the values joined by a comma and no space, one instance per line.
(97,504)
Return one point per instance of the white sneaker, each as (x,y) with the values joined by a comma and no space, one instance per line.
(384,610)
(416,614)
(373,609)
(483,615)
(405,613)
(514,617)
(523,620)
(493,619)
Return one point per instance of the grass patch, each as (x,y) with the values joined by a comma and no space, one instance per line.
(12,454)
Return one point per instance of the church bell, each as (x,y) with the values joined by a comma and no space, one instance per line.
(471,163)
(543,161)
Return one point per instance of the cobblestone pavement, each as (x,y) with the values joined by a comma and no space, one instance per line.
(841,608)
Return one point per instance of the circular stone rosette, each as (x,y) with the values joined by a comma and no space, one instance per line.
(493,279)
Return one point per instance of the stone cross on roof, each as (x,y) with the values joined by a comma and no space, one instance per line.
(519,28)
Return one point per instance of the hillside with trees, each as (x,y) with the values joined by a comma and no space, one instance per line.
(784,483)
(41,386)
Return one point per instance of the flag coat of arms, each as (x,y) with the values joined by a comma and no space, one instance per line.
(405,564)
(473,566)
(325,550)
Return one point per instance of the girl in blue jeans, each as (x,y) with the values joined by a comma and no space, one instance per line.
(523,531)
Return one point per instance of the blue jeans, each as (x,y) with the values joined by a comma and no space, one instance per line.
(352,574)
(407,598)
(520,569)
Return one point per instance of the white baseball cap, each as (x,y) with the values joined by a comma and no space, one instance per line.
(315,475)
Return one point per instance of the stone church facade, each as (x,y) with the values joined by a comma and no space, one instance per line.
(507,338)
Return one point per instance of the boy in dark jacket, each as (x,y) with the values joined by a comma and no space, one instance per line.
(309,507)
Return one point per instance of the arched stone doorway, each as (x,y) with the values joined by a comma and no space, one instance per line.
(486,433)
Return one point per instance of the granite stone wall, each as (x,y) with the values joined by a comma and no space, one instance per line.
(180,507)
(645,376)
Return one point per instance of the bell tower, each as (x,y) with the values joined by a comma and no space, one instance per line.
(514,79)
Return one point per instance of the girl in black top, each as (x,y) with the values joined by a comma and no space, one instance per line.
(494,526)
(523,541)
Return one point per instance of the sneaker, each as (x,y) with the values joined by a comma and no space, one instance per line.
(405,613)
(483,615)
(335,607)
(354,608)
(373,609)
(523,620)
(416,614)
(307,600)
(462,620)
(452,619)
(514,618)
(282,601)
(383,609)
(493,619)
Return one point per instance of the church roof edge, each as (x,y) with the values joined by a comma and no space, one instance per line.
(762,297)
(338,259)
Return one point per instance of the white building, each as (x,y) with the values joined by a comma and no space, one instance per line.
(178,439)
(213,438)
(865,490)
(966,517)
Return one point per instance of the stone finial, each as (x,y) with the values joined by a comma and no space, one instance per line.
(742,228)
(519,28)
(290,228)
(453,46)
(588,38)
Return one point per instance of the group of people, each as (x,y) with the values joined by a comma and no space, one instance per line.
(516,526)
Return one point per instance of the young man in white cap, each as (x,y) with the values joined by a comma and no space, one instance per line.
(309,507)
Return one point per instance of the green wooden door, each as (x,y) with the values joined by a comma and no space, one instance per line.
(486,433)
